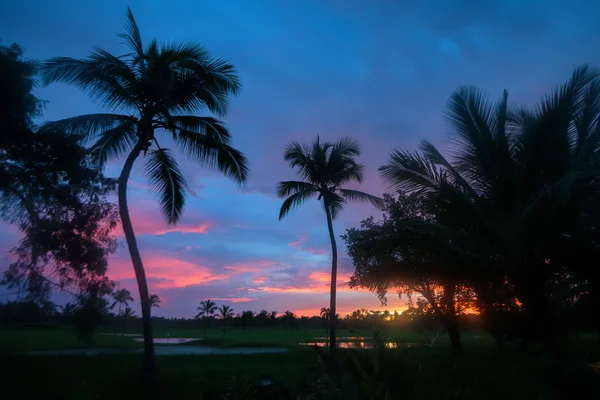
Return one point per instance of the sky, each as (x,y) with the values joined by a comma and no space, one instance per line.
(379,71)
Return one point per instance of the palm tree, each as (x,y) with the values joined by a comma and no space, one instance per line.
(122,298)
(324,313)
(154,300)
(155,86)
(324,168)
(207,308)
(516,182)
(68,309)
(225,312)
(127,314)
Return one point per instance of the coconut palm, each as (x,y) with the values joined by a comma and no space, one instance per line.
(154,300)
(225,312)
(516,183)
(324,168)
(207,308)
(122,298)
(153,87)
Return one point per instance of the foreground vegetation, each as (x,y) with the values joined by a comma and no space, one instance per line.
(425,372)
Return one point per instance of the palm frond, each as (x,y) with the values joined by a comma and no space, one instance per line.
(299,157)
(168,182)
(132,36)
(114,142)
(206,126)
(358,196)
(471,116)
(214,154)
(587,124)
(295,200)
(89,126)
(287,188)
(411,172)
(334,203)
(104,77)
(433,154)
(350,172)
(199,83)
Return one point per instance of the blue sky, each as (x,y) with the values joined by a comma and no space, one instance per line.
(379,71)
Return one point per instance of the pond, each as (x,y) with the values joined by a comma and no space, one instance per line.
(163,351)
(173,340)
(362,345)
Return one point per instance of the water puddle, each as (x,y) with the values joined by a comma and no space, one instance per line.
(121,334)
(163,351)
(362,345)
(173,340)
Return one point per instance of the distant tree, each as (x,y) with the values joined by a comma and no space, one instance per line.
(121,297)
(273,319)
(127,314)
(225,312)
(68,309)
(246,319)
(154,86)
(154,300)
(207,308)
(290,318)
(324,168)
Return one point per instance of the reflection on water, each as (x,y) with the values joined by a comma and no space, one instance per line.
(363,345)
(163,351)
(173,340)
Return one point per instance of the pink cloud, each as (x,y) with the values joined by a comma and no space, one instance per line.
(202,228)
(171,272)
(244,268)
(297,245)
(235,299)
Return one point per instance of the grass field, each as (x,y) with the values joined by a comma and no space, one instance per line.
(427,372)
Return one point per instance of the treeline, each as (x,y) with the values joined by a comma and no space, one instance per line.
(505,224)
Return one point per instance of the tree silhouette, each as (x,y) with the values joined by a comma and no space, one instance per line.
(225,312)
(155,86)
(324,168)
(122,298)
(207,308)
(154,300)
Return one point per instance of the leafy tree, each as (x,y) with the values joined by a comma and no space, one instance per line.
(154,300)
(122,298)
(155,85)
(63,213)
(246,319)
(289,317)
(324,168)
(207,308)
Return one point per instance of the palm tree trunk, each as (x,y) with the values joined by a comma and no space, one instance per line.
(149,366)
(332,308)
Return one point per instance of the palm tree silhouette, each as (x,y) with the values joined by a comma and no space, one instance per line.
(154,300)
(155,86)
(324,168)
(122,298)
(207,308)
(225,312)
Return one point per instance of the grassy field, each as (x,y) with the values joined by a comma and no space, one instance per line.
(427,372)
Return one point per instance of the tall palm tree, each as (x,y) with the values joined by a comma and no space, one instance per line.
(154,86)
(207,308)
(225,312)
(324,168)
(122,298)
(154,300)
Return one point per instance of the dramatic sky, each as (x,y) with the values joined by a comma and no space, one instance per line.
(380,71)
